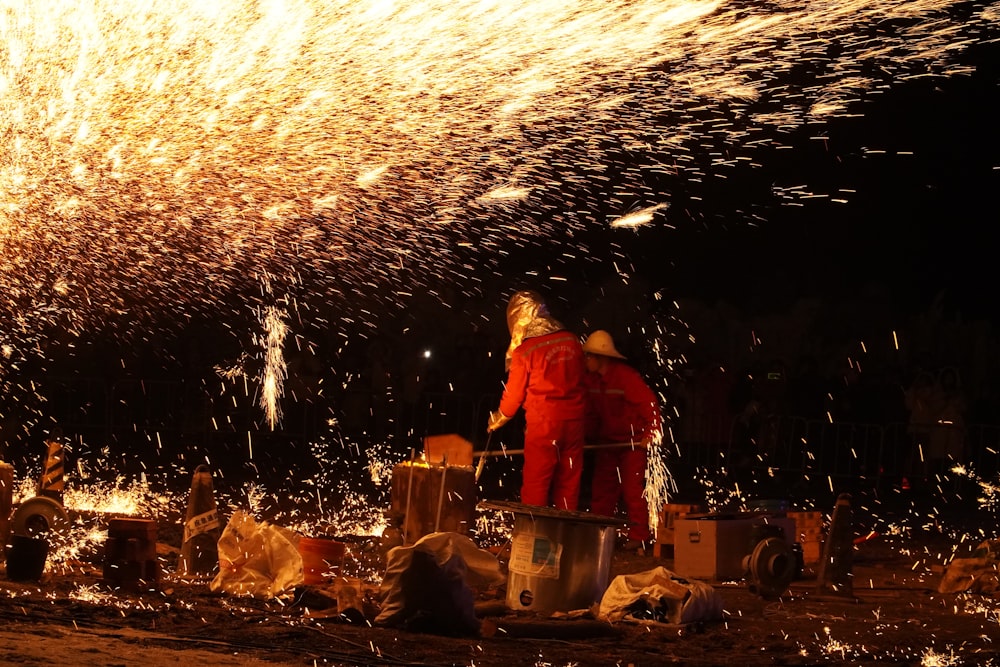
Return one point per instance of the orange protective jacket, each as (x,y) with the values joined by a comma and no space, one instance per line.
(622,407)
(546,377)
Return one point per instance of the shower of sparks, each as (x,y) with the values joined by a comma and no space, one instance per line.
(979,605)
(119,498)
(720,494)
(990,490)
(96,595)
(494,527)
(839,648)
(116,497)
(275,371)
(660,483)
(932,658)
(86,503)
(159,156)
(381,470)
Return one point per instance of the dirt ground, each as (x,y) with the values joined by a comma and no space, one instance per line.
(895,616)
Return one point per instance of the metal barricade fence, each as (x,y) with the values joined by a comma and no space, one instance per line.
(132,412)
(792,446)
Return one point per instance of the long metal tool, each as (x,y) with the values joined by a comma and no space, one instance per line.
(444,476)
(511,452)
(409,494)
(482,456)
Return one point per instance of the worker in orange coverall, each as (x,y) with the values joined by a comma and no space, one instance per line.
(544,374)
(621,408)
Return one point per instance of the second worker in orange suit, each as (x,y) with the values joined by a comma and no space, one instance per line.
(621,409)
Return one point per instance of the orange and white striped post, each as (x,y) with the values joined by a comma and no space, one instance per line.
(52,482)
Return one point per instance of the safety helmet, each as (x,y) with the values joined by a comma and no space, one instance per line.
(600,342)
(527,317)
(523,307)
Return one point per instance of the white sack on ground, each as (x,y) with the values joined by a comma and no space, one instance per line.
(659,594)
(978,574)
(257,559)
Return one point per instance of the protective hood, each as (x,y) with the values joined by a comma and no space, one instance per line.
(528,317)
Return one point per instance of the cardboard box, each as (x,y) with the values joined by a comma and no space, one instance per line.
(810,533)
(664,545)
(454,449)
(713,546)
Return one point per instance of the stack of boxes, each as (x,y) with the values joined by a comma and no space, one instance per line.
(664,545)
(713,546)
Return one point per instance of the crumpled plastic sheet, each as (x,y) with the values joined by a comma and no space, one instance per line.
(257,559)
(660,595)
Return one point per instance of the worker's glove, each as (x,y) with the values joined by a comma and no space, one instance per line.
(497,419)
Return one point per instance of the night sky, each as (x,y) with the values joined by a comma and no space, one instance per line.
(924,166)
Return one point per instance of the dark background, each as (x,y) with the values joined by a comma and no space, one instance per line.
(920,219)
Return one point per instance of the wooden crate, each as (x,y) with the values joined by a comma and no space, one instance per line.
(664,545)
(810,533)
(442,499)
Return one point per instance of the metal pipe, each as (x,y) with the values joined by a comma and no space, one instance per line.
(444,475)
(409,494)
(508,452)
(482,456)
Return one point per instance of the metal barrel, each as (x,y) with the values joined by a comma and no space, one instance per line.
(560,560)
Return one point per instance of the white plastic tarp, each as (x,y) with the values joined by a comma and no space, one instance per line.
(257,559)
(660,594)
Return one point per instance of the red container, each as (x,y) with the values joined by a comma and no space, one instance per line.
(321,558)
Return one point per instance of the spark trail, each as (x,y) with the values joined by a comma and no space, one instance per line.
(159,156)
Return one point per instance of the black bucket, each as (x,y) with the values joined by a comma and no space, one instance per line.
(26,558)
